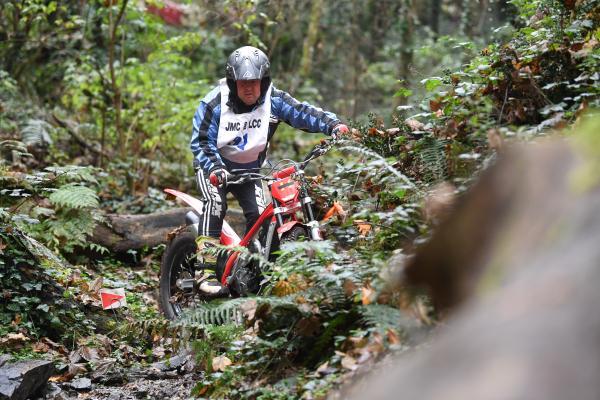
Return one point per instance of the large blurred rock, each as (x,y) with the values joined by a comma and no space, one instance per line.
(516,269)
(21,379)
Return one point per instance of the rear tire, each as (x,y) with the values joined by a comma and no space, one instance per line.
(178,261)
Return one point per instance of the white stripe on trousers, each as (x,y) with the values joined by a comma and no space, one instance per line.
(209,201)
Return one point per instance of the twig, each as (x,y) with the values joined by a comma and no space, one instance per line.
(93,148)
(503,104)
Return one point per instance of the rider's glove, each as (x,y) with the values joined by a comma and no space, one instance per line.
(338,131)
(218,177)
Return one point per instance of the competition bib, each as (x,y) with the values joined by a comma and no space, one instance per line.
(242,137)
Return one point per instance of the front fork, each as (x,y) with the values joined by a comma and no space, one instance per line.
(309,215)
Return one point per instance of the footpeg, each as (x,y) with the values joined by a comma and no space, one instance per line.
(213,289)
(186,285)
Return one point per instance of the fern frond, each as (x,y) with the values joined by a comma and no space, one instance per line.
(36,132)
(213,313)
(432,159)
(384,163)
(14,148)
(73,173)
(385,317)
(74,196)
(228,311)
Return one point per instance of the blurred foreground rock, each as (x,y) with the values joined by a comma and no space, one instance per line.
(516,269)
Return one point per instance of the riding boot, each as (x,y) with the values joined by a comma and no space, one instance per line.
(207,254)
(207,251)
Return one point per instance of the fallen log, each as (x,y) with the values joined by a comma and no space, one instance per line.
(121,233)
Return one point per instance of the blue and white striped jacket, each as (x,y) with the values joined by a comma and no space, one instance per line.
(283,108)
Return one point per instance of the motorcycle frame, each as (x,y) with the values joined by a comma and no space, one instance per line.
(274,211)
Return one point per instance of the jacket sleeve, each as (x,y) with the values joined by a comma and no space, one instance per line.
(204,135)
(301,115)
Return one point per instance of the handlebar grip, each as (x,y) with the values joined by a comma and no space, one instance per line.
(284,173)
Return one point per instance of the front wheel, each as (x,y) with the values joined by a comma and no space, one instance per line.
(178,263)
(298,232)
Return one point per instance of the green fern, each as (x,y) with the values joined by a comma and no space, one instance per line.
(74,196)
(36,132)
(228,311)
(431,159)
(214,313)
(73,173)
(383,317)
(11,149)
(381,162)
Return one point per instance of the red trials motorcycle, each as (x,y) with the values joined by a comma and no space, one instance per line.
(288,217)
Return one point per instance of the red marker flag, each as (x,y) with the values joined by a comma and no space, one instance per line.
(113,298)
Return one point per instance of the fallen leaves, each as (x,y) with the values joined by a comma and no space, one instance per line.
(14,340)
(363,227)
(349,362)
(293,284)
(336,209)
(220,363)
(414,125)
(349,287)
(367,294)
(392,337)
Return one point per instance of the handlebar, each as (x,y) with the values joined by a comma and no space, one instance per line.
(237,177)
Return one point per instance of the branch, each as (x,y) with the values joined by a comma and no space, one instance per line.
(113,34)
(94,148)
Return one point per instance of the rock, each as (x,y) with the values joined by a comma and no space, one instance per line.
(82,384)
(53,392)
(21,379)
(174,362)
(4,358)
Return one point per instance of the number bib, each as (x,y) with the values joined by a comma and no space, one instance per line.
(242,137)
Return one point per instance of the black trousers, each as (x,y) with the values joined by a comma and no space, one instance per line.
(249,195)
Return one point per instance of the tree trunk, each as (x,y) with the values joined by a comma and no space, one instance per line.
(466,18)
(407,43)
(126,232)
(113,26)
(434,17)
(311,39)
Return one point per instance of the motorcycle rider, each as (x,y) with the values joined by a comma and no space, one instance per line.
(231,130)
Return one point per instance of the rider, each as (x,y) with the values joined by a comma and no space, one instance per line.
(231,130)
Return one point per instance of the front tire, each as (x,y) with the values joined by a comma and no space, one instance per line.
(298,232)
(178,262)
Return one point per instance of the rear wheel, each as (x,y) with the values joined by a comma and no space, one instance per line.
(178,263)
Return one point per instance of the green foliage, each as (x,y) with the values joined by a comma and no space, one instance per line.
(214,313)
(34,303)
(431,159)
(129,91)
(53,205)
(74,196)
(36,132)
